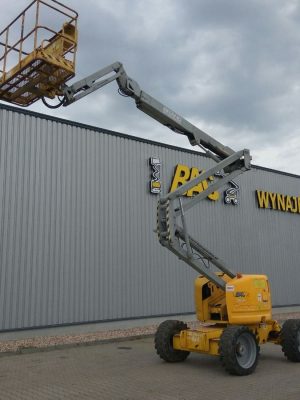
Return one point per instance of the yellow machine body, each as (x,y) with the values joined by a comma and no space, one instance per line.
(206,338)
(203,340)
(246,301)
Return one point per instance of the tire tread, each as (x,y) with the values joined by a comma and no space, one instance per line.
(289,344)
(163,338)
(227,350)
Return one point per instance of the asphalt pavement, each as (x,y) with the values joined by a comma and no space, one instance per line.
(131,370)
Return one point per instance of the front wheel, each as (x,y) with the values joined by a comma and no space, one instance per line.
(164,341)
(290,339)
(238,350)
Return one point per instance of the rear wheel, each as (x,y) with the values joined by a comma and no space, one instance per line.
(290,339)
(164,341)
(239,350)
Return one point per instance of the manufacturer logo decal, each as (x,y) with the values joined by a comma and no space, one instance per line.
(240,294)
(172,114)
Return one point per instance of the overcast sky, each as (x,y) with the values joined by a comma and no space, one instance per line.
(230,67)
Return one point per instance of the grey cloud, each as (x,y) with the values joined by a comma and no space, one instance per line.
(232,66)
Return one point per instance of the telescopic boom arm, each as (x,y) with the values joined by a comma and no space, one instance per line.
(145,103)
(170,207)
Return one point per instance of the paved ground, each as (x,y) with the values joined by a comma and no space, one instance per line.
(131,371)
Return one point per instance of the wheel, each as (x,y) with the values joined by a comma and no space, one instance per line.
(290,339)
(238,350)
(164,341)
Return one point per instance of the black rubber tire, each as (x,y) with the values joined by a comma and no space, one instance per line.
(163,341)
(290,339)
(229,353)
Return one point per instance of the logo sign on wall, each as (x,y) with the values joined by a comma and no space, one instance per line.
(230,194)
(278,201)
(184,174)
(155,183)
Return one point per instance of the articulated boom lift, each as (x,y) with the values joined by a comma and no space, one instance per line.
(234,309)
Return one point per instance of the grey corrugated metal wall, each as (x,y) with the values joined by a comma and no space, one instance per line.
(77,221)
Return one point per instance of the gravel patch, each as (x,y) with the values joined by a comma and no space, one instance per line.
(54,342)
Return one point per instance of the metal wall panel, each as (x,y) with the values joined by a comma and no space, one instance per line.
(77,220)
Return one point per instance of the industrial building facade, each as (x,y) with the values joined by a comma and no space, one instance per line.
(78,215)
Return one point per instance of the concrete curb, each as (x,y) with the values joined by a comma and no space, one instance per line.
(29,350)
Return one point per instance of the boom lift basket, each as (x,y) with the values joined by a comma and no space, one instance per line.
(36,60)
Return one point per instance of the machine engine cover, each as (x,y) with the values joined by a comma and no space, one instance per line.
(248,299)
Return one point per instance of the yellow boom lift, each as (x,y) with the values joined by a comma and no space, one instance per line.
(234,309)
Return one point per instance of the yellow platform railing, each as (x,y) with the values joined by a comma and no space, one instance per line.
(37,52)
